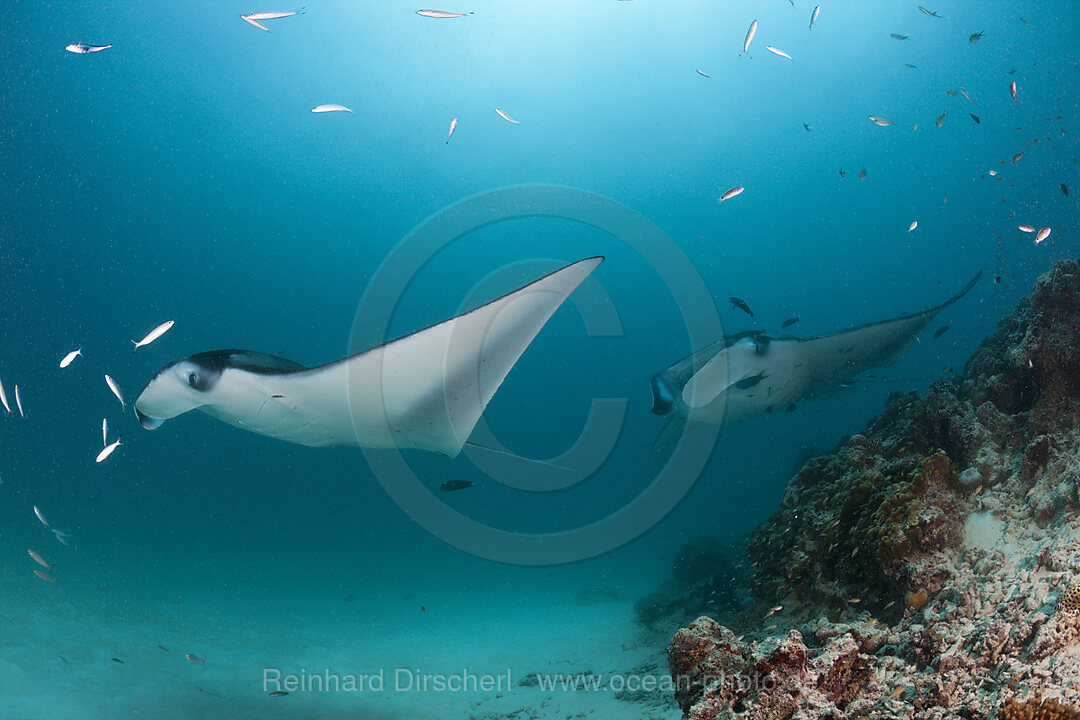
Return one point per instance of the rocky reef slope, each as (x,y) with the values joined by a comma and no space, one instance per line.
(923,569)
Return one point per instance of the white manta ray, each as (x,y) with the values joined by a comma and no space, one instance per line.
(749,374)
(424,391)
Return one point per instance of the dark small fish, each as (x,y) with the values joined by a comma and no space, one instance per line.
(451,485)
(162,647)
(789,322)
(941,331)
(842,173)
(747,383)
(975,118)
(790,408)
(976,37)
(278,693)
(897,36)
(929,12)
(63,659)
(118,660)
(862,174)
(807,128)
(736,302)
(909,65)
(1065,189)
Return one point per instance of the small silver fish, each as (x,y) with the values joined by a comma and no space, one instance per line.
(104,431)
(941,119)
(256,23)
(39,560)
(702,73)
(3,397)
(116,391)
(813,16)
(914,224)
(777,51)
(330,108)
(273,15)
(81,49)
(254,18)
(109,449)
(18,402)
(41,516)
(153,334)
(749,36)
(70,357)
(506,117)
(731,193)
(440,14)
(453,127)
(880,121)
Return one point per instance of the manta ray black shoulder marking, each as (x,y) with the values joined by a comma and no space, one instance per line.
(253,362)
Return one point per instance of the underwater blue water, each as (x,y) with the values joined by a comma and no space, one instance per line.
(180,175)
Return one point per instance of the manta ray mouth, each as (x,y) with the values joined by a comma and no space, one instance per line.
(148,422)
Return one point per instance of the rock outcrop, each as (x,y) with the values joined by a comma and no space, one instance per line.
(923,569)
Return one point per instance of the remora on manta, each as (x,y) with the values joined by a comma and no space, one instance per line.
(749,374)
(425,391)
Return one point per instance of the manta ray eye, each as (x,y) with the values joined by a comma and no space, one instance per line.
(193,379)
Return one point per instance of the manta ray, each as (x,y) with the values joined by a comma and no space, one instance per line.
(750,374)
(425,391)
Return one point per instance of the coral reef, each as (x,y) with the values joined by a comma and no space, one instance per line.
(930,566)
(1037,710)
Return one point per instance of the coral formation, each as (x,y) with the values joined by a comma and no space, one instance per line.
(923,569)
(1070,600)
(1037,710)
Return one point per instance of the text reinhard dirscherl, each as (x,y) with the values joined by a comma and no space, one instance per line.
(415,680)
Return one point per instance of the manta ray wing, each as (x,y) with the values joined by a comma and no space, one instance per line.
(426,390)
(836,358)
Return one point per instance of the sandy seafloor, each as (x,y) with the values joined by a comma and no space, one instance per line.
(507,624)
